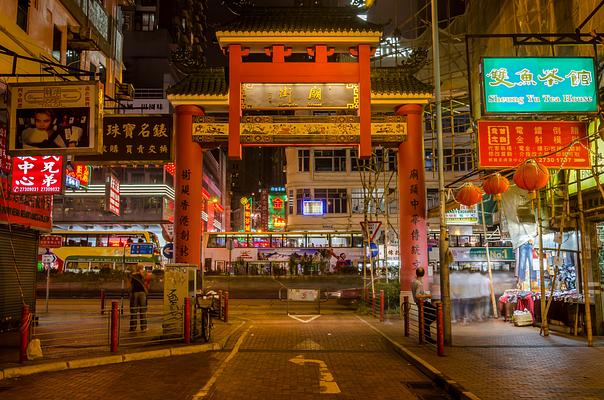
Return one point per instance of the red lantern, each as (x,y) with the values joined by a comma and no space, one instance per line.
(469,195)
(531,176)
(495,185)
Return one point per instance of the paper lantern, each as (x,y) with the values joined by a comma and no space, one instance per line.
(495,185)
(469,195)
(531,176)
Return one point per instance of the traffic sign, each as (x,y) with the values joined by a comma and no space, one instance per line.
(373,227)
(51,241)
(168,250)
(373,250)
(49,258)
(141,248)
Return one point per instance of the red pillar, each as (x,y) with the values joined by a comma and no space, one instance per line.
(365,100)
(187,189)
(413,247)
(234,146)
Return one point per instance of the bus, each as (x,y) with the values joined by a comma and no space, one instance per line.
(282,253)
(96,250)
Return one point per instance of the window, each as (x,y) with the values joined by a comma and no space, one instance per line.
(290,202)
(137,178)
(72,58)
(433,198)
(147,21)
(57,37)
(22,13)
(358,198)
(330,160)
(335,200)
(301,195)
(379,160)
(303,160)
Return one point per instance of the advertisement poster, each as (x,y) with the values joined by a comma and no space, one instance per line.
(37,175)
(55,118)
(556,144)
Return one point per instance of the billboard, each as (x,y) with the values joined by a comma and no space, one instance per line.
(112,194)
(55,118)
(135,139)
(539,85)
(556,144)
(37,175)
(462,216)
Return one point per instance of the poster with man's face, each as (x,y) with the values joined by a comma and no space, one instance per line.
(55,118)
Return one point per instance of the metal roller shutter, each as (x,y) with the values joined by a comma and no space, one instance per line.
(25,245)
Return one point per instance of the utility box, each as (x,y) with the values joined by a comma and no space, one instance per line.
(179,283)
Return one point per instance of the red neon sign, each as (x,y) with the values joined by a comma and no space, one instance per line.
(508,143)
(37,175)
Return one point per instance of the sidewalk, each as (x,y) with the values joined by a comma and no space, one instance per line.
(495,360)
(73,354)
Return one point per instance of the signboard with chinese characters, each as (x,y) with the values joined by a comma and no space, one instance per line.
(462,215)
(271,96)
(556,144)
(82,173)
(247,213)
(37,175)
(30,211)
(276,212)
(539,85)
(135,139)
(112,194)
(480,253)
(55,118)
(147,106)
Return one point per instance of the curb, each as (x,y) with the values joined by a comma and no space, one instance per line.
(451,386)
(54,366)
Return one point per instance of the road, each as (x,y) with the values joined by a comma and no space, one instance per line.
(273,356)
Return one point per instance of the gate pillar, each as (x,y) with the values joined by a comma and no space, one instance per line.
(413,247)
(187,188)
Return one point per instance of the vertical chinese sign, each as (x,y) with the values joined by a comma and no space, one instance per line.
(30,211)
(416,219)
(184,232)
(276,212)
(112,194)
(247,214)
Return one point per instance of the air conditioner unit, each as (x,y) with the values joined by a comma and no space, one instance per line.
(124,91)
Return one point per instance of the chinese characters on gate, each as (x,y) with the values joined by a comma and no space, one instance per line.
(182,225)
(547,84)
(415,201)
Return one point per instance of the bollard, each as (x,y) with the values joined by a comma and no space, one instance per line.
(115,325)
(220,304)
(406,315)
(440,335)
(102,301)
(226,306)
(381,306)
(420,317)
(187,321)
(24,333)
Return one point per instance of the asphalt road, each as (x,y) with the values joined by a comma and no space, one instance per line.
(273,356)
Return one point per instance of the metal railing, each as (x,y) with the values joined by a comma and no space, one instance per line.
(424,320)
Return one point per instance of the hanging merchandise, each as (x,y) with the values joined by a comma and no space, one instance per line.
(495,185)
(531,176)
(469,195)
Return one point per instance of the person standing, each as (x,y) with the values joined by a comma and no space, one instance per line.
(138,299)
(419,294)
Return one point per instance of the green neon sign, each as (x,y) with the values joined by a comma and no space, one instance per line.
(539,85)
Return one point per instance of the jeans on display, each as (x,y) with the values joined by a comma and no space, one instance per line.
(526,261)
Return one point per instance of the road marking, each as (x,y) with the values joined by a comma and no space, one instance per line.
(308,344)
(326,382)
(300,318)
(206,388)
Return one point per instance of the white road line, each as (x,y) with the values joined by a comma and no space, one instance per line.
(205,390)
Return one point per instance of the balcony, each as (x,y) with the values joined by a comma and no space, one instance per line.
(94,23)
(124,91)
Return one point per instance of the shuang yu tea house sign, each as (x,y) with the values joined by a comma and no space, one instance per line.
(539,85)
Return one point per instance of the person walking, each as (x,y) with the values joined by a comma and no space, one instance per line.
(138,299)
(419,294)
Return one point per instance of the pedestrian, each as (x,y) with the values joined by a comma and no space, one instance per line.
(138,299)
(420,295)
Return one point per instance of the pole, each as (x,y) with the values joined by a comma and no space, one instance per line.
(187,321)
(381,306)
(584,263)
(486,245)
(102,301)
(443,241)
(226,306)
(115,326)
(544,326)
(420,315)
(406,315)
(440,338)
(123,273)
(24,333)
(47,265)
